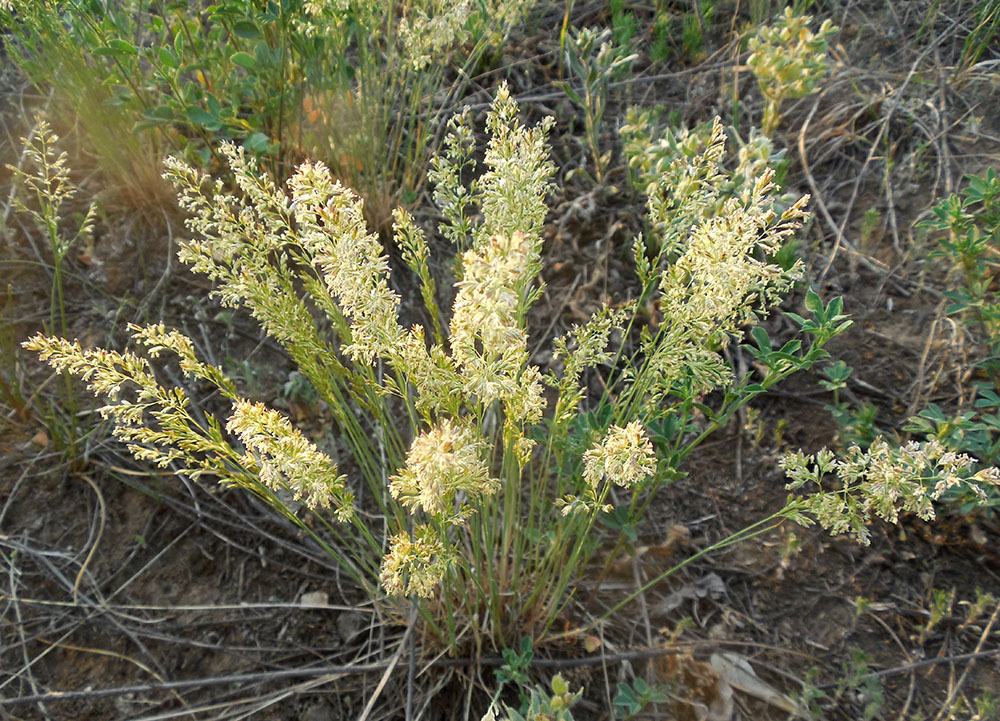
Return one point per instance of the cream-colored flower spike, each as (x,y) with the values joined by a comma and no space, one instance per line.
(487,303)
(332,228)
(414,565)
(287,458)
(488,341)
(625,457)
(441,462)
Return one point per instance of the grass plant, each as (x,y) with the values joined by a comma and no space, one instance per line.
(472,490)
(984,32)
(47,181)
(490,507)
(42,190)
(476,505)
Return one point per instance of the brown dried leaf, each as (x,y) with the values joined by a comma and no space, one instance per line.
(705,695)
(738,673)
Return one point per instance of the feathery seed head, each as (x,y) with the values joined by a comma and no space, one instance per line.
(414,565)
(442,461)
(331,228)
(882,481)
(287,459)
(624,457)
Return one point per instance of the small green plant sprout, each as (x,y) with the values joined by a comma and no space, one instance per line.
(859,685)
(631,700)
(987,707)
(543,705)
(941,603)
(810,698)
(595,61)
(871,225)
(975,609)
(693,27)
(661,41)
(856,424)
(836,378)
(788,61)
(624,24)
(514,670)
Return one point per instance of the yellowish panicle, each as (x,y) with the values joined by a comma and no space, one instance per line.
(287,459)
(414,565)
(442,462)
(625,457)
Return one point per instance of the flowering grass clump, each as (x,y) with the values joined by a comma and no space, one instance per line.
(480,504)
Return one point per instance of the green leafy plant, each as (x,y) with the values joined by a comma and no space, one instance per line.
(788,61)
(969,231)
(693,31)
(967,226)
(680,33)
(987,707)
(514,671)
(480,507)
(595,61)
(856,424)
(624,24)
(541,704)
(661,42)
(809,700)
(859,681)
(631,700)
(351,82)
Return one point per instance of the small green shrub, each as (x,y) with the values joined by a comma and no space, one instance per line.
(680,33)
(595,61)
(788,61)
(967,227)
(540,705)
(631,700)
